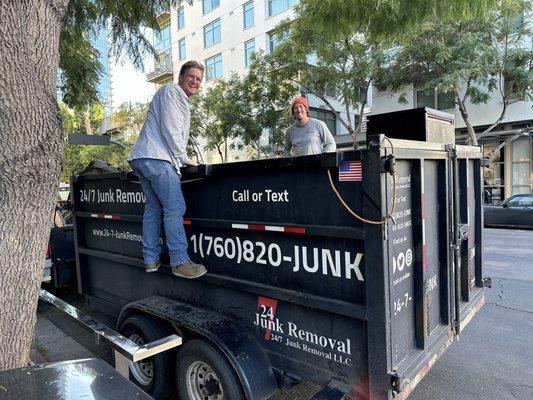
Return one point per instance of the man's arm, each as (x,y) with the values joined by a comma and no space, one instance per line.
(173,114)
(288,144)
(328,142)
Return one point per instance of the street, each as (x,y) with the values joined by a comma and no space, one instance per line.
(491,361)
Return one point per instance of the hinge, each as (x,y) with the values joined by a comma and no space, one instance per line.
(388,164)
(452,151)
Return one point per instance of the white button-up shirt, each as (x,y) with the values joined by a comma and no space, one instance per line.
(165,132)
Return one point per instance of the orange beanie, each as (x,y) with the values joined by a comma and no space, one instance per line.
(302,101)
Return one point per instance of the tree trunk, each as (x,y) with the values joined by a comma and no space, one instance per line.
(225,149)
(220,153)
(464,114)
(30,153)
(87,122)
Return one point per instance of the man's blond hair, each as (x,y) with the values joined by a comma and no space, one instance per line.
(190,64)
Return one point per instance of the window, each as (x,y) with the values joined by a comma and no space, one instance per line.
(327,116)
(510,88)
(425,98)
(493,175)
(277,6)
(273,41)
(181,18)
(164,61)
(162,38)
(521,166)
(521,201)
(248,14)
(212,33)
(249,49)
(213,67)
(434,99)
(208,5)
(181,46)
(445,101)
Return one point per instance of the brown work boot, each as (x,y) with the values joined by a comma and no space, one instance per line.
(189,270)
(152,267)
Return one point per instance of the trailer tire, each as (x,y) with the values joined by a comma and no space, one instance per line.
(153,375)
(203,372)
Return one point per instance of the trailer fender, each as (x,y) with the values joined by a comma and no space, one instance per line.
(238,345)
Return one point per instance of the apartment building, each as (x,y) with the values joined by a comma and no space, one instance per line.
(223,34)
(511,171)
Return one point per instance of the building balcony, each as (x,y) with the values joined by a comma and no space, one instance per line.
(160,73)
(163,16)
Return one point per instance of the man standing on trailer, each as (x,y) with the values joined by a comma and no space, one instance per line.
(157,157)
(307,135)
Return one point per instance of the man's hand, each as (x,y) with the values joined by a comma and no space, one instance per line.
(193,163)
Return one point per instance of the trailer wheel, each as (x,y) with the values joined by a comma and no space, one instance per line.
(153,375)
(204,373)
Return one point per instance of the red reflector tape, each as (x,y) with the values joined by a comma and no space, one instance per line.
(293,229)
(256,227)
(187,222)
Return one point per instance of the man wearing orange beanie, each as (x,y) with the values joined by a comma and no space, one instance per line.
(307,135)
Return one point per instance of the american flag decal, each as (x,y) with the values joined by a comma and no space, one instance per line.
(350,171)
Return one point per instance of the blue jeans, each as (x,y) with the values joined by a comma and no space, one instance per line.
(162,187)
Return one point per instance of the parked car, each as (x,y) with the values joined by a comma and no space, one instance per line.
(64,189)
(515,212)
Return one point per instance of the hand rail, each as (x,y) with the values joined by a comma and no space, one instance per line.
(119,343)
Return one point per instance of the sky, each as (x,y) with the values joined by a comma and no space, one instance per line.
(129,84)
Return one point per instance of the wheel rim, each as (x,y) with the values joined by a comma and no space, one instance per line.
(203,383)
(143,371)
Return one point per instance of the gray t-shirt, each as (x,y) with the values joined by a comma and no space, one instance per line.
(311,138)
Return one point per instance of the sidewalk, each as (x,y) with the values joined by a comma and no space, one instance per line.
(52,344)
(59,338)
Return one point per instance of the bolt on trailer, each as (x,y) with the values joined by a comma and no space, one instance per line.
(354,270)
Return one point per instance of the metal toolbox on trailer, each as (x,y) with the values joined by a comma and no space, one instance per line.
(316,293)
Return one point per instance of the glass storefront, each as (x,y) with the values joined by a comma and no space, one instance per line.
(519,168)
(522,168)
(493,175)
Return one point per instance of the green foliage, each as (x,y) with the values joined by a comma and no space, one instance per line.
(244,112)
(268,97)
(382,18)
(76,157)
(126,21)
(340,67)
(128,120)
(85,121)
(473,61)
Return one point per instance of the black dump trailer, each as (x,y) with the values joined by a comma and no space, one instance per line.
(361,297)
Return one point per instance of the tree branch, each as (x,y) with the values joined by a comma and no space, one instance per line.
(464,114)
(468,83)
(521,132)
(328,104)
(502,116)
